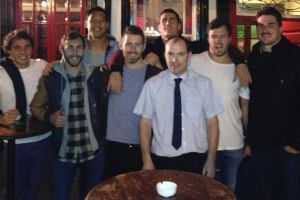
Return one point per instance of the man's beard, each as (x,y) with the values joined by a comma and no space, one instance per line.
(69,58)
(135,59)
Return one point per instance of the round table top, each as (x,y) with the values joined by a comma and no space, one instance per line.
(142,185)
(23,128)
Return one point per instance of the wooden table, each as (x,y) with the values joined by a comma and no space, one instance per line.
(23,128)
(141,185)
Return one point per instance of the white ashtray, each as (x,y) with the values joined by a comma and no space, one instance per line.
(166,188)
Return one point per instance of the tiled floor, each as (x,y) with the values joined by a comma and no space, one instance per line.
(44,193)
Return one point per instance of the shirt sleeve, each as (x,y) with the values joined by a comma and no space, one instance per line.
(144,105)
(244,92)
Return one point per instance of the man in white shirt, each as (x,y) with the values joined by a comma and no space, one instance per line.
(217,65)
(19,76)
(192,145)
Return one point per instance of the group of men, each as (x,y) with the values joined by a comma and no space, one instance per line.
(191,116)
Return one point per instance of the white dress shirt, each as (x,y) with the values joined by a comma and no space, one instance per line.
(199,102)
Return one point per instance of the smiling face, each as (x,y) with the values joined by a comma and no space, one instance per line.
(20,52)
(177,55)
(218,40)
(72,51)
(268,30)
(133,47)
(97,24)
(168,25)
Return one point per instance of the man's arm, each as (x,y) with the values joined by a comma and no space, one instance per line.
(145,140)
(239,59)
(209,168)
(236,55)
(152,59)
(39,107)
(39,103)
(115,65)
(242,72)
(244,103)
(9,117)
(48,68)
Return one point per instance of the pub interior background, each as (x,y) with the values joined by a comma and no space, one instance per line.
(47,20)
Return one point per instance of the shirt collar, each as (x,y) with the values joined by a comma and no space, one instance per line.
(184,77)
(262,50)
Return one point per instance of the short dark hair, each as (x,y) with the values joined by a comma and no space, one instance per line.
(133,30)
(72,35)
(269,10)
(218,23)
(97,9)
(170,10)
(17,34)
(180,38)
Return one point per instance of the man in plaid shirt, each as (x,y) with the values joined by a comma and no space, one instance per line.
(73,99)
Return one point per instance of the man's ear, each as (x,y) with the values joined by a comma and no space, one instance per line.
(61,49)
(281,31)
(120,45)
(159,28)
(179,27)
(85,24)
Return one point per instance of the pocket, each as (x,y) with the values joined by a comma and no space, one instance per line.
(193,107)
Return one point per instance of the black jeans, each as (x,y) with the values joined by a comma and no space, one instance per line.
(191,162)
(122,158)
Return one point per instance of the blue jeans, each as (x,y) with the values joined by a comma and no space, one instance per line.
(270,174)
(227,165)
(91,173)
(31,161)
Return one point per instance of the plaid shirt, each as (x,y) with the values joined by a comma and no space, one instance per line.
(78,147)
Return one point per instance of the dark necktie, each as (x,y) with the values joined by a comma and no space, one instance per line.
(177,132)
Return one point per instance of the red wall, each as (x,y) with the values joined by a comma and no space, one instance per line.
(291,29)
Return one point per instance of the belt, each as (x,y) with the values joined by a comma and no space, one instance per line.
(125,145)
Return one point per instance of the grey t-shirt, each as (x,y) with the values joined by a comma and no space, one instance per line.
(94,59)
(97,59)
(122,124)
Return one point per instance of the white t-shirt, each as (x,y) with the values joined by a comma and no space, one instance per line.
(229,89)
(30,76)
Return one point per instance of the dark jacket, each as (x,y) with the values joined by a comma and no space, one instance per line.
(157,46)
(55,88)
(274,105)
